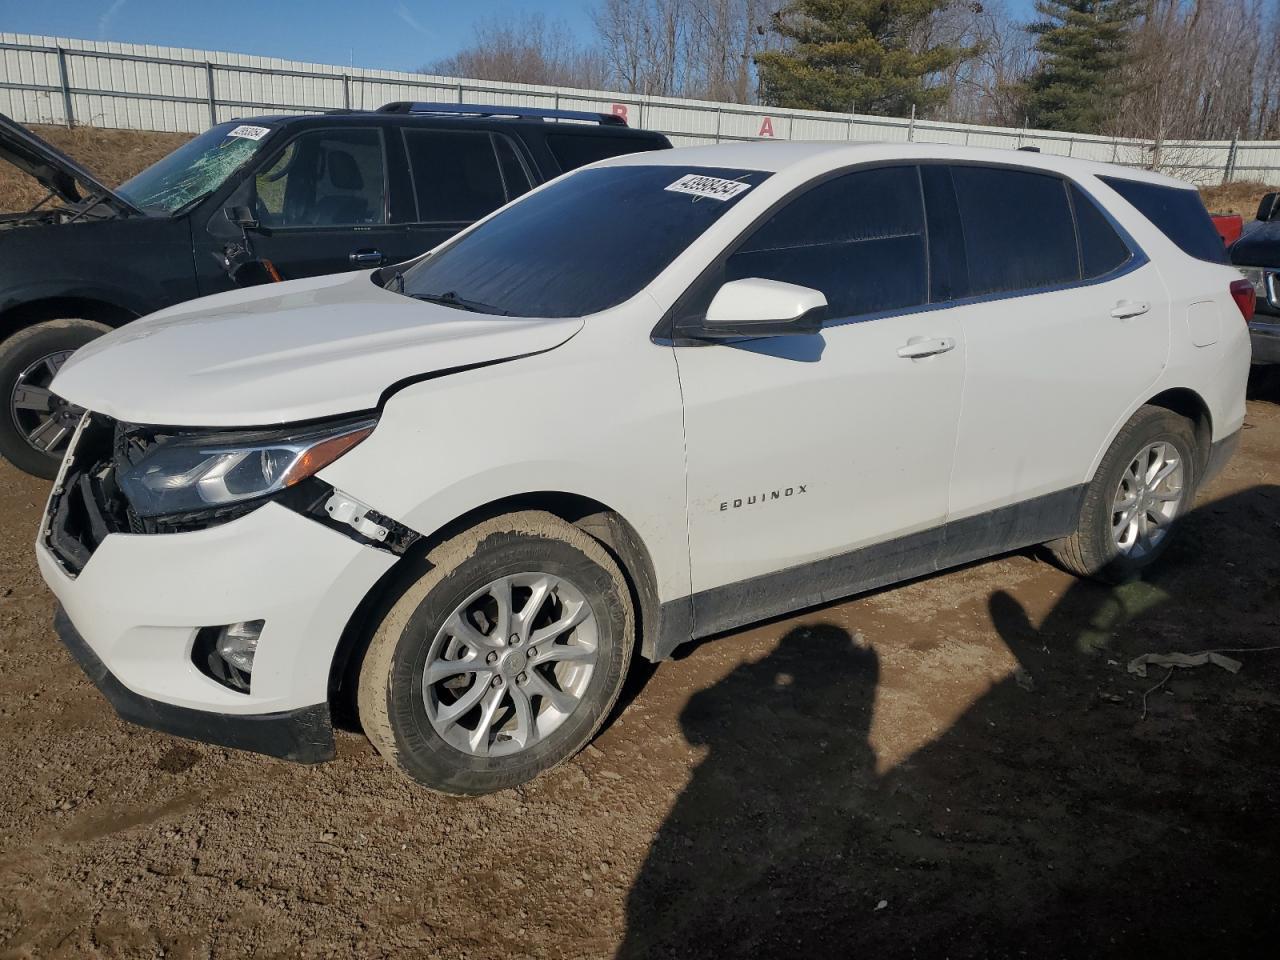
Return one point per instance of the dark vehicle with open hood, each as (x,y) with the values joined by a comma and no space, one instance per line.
(247,202)
(1257,254)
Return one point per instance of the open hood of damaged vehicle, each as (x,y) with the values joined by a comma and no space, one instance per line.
(282,353)
(54,170)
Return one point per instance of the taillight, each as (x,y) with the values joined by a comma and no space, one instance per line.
(1246,299)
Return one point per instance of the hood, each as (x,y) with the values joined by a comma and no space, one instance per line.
(287,352)
(54,169)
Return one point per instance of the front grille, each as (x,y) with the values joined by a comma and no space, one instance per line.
(88,505)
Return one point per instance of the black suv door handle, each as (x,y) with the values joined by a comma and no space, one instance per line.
(367,258)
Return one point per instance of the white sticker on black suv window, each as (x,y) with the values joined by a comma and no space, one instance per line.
(713,187)
(249,132)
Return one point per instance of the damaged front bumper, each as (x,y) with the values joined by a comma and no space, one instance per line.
(137,607)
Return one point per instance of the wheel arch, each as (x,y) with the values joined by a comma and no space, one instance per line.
(1189,404)
(597,519)
(26,314)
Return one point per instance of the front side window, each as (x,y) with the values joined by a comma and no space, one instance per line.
(583,244)
(325,178)
(460,176)
(1018,230)
(859,238)
(196,169)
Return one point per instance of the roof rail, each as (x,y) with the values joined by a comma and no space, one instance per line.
(500,110)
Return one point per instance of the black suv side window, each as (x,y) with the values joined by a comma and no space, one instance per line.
(573,150)
(460,176)
(859,238)
(1018,229)
(1101,248)
(325,178)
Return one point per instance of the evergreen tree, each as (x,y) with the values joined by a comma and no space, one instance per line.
(846,54)
(1082,44)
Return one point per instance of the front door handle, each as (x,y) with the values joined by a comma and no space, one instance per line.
(1130,308)
(918,347)
(367,258)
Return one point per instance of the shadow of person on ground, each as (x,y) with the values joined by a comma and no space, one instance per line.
(1046,822)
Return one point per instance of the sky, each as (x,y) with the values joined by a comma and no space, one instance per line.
(387,34)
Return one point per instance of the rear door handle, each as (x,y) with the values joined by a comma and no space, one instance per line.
(918,347)
(366,258)
(1130,308)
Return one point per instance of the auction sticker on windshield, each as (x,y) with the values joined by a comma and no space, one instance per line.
(249,132)
(713,187)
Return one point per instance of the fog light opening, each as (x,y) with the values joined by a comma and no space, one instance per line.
(226,653)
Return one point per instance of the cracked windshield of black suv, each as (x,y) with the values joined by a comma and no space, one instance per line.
(195,169)
(581,245)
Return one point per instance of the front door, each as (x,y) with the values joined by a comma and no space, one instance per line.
(819,465)
(321,204)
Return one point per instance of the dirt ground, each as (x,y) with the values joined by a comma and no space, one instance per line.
(957,767)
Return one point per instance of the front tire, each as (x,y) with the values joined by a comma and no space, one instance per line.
(35,425)
(503,660)
(1144,484)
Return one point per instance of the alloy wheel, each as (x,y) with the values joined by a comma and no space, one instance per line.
(44,420)
(1147,499)
(510,664)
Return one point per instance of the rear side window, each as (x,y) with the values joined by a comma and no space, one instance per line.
(859,238)
(1178,213)
(573,150)
(460,176)
(1101,248)
(1018,229)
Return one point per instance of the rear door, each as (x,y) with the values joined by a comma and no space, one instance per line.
(1066,323)
(458,177)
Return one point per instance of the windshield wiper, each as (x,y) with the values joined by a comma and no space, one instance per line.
(450,298)
(396,283)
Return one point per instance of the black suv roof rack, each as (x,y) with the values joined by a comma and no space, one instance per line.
(500,110)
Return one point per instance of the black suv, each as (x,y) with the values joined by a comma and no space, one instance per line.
(1257,254)
(251,201)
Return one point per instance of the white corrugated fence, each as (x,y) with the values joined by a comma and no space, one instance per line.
(65,81)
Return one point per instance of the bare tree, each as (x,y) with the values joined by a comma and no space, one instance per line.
(988,87)
(527,49)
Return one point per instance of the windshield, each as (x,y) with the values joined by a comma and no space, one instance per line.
(582,245)
(195,169)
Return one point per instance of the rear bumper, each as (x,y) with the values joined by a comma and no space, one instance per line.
(304,735)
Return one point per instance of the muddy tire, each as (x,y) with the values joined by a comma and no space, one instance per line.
(501,661)
(34,425)
(1144,484)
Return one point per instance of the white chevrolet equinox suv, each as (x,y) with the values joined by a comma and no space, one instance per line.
(658,398)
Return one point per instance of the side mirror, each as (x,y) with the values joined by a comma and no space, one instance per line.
(242,217)
(1269,207)
(755,307)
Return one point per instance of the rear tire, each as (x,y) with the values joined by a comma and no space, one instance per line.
(503,660)
(1130,509)
(33,439)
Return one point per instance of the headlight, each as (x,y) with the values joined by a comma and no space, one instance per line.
(195,472)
